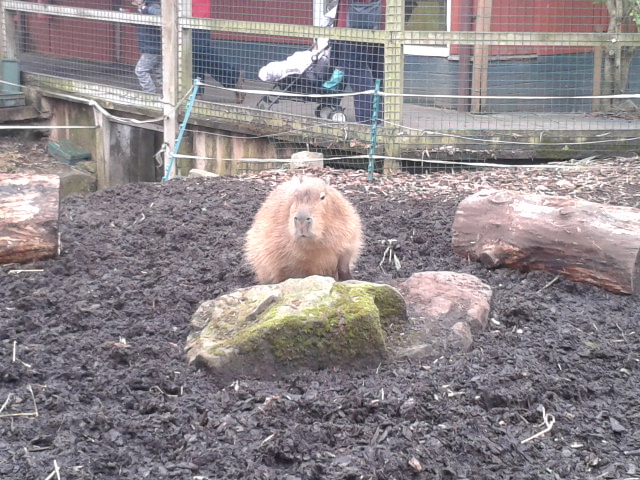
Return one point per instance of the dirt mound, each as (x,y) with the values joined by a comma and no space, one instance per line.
(99,335)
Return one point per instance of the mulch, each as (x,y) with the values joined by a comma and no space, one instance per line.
(94,382)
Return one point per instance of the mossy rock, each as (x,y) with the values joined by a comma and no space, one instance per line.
(310,323)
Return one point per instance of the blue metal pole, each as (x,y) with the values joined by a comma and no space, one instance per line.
(183,127)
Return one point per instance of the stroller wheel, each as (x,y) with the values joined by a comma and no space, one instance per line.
(338,116)
(324,111)
(265,103)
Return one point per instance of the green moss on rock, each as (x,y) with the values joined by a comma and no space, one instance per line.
(305,323)
(389,302)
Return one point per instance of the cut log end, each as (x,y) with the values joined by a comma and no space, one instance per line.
(29,211)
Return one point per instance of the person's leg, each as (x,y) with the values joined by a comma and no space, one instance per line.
(198,70)
(358,76)
(228,75)
(338,53)
(222,72)
(157,73)
(375,59)
(146,66)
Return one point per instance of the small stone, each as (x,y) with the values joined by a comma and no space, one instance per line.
(419,240)
(307,159)
(565,184)
(461,337)
(415,464)
(616,426)
(197,173)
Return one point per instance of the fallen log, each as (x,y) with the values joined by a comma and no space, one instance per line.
(580,240)
(29,210)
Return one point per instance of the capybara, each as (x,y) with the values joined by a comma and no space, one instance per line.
(305,227)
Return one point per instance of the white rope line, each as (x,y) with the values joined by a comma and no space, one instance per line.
(280,93)
(45,127)
(507,97)
(383,157)
(382,93)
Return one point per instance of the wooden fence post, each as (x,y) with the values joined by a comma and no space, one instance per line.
(481,57)
(393,77)
(170,68)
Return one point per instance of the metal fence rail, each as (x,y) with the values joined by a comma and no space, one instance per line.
(461,80)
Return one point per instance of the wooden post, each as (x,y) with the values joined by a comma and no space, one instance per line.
(170,87)
(103,149)
(597,77)
(3,26)
(393,77)
(186,53)
(8,41)
(29,210)
(481,56)
(465,73)
(583,241)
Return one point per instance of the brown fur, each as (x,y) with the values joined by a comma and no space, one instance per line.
(305,227)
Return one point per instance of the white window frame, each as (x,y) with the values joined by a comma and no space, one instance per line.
(431,50)
(319,7)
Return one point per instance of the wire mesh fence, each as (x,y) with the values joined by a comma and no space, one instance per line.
(459,80)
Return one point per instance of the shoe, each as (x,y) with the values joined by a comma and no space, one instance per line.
(331,85)
(240,96)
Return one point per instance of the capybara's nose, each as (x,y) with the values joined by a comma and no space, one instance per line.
(303,222)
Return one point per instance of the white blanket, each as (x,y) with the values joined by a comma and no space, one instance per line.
(297,63)
(294,64)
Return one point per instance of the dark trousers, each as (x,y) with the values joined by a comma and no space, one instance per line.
(362,64)
(207,60)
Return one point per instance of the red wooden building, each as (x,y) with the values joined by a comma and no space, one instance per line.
(107,42)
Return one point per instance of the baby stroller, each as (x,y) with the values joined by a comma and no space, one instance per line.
(304,73)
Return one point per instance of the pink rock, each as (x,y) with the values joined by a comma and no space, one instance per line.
(444,310)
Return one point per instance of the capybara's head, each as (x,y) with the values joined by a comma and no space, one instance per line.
(310,207)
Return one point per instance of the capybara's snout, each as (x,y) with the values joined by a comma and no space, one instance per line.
(303,223)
